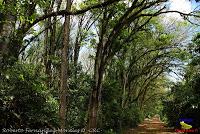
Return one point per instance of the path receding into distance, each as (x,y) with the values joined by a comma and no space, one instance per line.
(151,126)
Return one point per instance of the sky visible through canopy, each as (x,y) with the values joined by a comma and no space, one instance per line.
(184,6)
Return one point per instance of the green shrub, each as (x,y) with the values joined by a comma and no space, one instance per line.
(24,98)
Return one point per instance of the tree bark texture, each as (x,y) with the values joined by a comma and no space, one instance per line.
(64,71)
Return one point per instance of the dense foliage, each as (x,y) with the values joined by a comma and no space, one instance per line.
(25,100)
(183,98)
(98,65)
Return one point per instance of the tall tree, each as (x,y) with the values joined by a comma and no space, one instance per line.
(27,17)
(64,69)
(107,46)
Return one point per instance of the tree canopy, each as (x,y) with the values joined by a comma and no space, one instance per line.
(97,66)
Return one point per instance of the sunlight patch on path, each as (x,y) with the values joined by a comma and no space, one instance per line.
(151,126)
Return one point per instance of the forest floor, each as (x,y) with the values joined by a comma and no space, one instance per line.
(152,126)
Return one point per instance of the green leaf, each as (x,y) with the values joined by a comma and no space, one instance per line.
(21,18)
(1,2)
(21,77)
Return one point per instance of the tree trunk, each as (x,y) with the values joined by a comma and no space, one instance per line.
(95,98)
(49,42)
(7,27)
(64,70)
(94,104)
(76,54)
(11,39)
(99,69)
(124,83)
(47,46)
(77,45)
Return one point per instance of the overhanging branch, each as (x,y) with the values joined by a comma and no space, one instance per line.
(66,12)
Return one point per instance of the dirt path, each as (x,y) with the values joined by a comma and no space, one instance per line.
(151,126)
